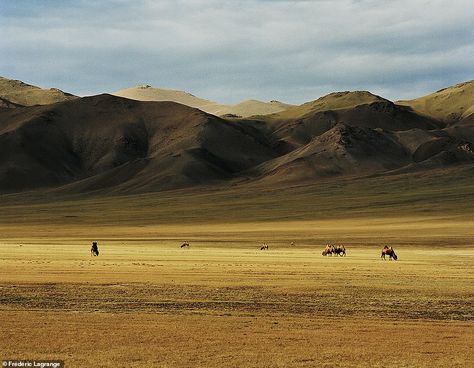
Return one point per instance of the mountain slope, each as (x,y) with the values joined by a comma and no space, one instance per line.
(449,104)
(342,150)
(332,101)
(27,95)
(112,144)
(106,141)
(300,125)
(148,93)
(5,104)
(242,109)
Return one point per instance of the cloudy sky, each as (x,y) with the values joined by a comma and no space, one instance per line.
(224,50)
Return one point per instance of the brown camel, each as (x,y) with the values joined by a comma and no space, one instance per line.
(328,250)
(388,251)
(340,250)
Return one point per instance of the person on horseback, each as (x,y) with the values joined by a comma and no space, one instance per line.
(94,249)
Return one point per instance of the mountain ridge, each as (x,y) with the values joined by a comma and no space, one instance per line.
(113,144)
(21,93)
(244,108)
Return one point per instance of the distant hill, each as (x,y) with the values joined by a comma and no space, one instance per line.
(332,101)
(111,144)
(342,150)
(449,104)
(24,94)
(242,109)
(299,125)
(107,141)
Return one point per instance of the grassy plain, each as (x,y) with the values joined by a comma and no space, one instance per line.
(223,302)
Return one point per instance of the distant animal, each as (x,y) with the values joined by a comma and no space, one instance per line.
(388,251)
(328,250)
(185,245)
(94,249)
(292,244)
(264,247)
(338,250)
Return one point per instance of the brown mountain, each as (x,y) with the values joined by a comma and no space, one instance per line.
(341,150)
(5,104)
(17,92)
(300,125)
(106,141)
(449,104)
(243,109)
(111,144)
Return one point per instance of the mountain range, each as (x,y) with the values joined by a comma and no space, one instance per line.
(146,139)
(243,109)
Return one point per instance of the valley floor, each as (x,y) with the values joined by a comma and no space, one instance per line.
(145,302)
(224,303)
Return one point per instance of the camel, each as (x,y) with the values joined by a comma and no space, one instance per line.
(185,245)
(328,250)
(339,250)
(94,249)
(390,252)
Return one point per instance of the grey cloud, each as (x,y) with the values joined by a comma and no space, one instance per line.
(231,50)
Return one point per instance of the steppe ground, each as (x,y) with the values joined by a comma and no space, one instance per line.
(145,302)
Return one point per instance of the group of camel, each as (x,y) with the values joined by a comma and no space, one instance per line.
(329,250)
(338,250)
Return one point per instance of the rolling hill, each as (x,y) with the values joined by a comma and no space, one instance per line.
(110,144)
(449,105)
(106,141)
(362,109)
(20,93)
(242,109)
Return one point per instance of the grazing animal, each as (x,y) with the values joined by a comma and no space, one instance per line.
(328,250)
(94,249)
(185,245)
(292,244)
(339,250)
(388,251)
(264,247)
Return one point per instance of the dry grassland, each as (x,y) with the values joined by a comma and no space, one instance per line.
(144,302)
(226,304)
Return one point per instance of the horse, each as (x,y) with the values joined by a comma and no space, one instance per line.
(94,249)
(388,251)
(185,245)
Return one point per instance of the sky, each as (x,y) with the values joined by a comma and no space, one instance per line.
(228,51)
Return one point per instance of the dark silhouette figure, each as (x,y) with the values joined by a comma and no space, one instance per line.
(94,249)
(388,251)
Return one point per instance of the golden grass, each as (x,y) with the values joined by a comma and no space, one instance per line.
(223,302)
(228,304)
